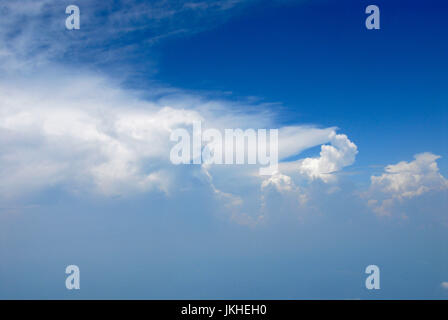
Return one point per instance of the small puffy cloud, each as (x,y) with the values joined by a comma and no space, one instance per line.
(405,180)
(444,285)
(410,179)
(340,153)
(285,186)
(381,207)
(280,182)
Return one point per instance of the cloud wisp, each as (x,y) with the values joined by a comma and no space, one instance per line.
(33,33)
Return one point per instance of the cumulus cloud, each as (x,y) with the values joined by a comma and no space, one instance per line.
(285,185)
(444,285)
(292,179)
(340,153)
(293,196)
(405,180)
(281,182)
(410,179)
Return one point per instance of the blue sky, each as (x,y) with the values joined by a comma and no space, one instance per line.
(85,117)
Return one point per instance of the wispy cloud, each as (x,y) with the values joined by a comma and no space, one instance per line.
(32,32)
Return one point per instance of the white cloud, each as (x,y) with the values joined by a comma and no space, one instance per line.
(296,192)
(410,179)
(405,180)
(444,285)
(56,144)
(333,158)
(295,139)
(284,185)
(84,134)
(280,182)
